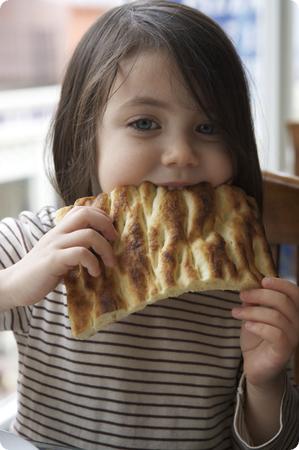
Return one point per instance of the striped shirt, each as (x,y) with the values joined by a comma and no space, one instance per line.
(167,377)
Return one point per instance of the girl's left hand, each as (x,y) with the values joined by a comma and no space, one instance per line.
(270,329)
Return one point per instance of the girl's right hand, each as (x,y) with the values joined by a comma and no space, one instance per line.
(82,231)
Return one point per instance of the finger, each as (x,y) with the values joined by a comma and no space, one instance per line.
(272,299)
(71,209)
(269,316)
(89,217)
(78,207)
(284,286)
(75,256)
(89,239)
(274,336)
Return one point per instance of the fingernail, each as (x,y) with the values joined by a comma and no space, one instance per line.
(237,312)
(114,235)
(266,281)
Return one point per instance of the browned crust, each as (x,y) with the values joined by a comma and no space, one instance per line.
(170,242)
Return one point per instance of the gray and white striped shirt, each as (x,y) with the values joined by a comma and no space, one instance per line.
(167,377)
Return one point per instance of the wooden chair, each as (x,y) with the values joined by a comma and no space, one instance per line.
(281,220)
(293,129)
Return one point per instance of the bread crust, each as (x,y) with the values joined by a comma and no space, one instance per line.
(170,241)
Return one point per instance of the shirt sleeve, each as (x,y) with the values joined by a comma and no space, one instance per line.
(287,436)
(17,238)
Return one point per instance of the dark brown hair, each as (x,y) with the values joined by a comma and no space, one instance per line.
(207,60)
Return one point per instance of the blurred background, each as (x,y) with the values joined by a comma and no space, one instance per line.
(37,38)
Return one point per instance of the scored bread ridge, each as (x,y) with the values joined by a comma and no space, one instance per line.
(169,242)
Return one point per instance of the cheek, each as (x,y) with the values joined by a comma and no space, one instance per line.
(122,168)
(110,172)
(221,168)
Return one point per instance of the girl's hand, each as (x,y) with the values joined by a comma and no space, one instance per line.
(270,329)
(82,233)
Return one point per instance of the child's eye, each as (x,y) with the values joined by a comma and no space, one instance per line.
(144,125)
(206,128)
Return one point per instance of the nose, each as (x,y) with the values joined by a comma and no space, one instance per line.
(180,154)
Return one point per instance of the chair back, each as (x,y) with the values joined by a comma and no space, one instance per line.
(281,221)
(293,129)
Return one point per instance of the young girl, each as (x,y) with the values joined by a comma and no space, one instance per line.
(155,91)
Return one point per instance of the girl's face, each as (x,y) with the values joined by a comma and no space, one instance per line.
(153,130)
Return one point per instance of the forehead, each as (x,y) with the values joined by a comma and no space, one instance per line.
(151,74)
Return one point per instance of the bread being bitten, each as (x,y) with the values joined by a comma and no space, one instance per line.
(170,241)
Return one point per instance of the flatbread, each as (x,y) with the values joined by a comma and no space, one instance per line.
(170,241)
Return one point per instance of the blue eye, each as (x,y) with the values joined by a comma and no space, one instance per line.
(206,128)
(144,125)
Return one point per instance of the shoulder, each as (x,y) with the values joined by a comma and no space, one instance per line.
(39,223)
(19,235)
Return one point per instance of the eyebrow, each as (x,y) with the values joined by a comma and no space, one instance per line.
(150,101)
